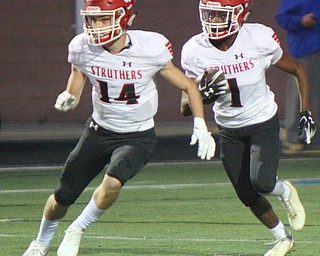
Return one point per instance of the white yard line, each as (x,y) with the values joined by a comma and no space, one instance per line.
(126,187)
(159,239)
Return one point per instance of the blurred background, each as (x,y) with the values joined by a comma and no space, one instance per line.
(34,70)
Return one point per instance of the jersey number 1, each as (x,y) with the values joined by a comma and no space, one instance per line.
(235,93)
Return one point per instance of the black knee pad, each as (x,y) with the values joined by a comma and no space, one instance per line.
(65,196)
(263,187)
(247,197)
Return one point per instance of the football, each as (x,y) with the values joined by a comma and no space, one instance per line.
(211,83)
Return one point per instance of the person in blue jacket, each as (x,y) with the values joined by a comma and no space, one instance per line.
(301,20)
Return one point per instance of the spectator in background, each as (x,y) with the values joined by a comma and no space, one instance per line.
(301,20)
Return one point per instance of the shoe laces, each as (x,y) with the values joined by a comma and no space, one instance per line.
(287,205)
(73,235)
(37,247)
(278,243)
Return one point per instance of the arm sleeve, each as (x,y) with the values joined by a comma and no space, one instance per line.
(72,56)
(72,52)
(165,55)
(186,62)
(271,45)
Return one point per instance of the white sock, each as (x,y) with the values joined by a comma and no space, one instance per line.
(46,231)
(279,231)
(281,189)
(89,215)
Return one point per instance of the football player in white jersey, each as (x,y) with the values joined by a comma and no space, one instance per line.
(245,109)
(121,66)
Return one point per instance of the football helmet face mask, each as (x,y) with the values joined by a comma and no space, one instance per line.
(113,17)
(222,18)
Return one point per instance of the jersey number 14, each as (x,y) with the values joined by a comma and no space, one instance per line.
(127,93)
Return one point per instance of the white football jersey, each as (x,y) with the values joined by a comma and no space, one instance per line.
(124,93)
(249,99)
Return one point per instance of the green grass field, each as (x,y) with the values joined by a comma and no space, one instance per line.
(168,209)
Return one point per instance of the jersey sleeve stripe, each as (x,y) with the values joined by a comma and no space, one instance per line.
(169,46)
(275,38)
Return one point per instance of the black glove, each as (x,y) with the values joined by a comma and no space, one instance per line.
(212,84)
(307,127)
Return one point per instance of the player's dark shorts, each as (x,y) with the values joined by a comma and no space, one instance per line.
(250,156)
(123,155)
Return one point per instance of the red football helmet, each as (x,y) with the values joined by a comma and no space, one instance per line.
(222,18)
(118,12)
